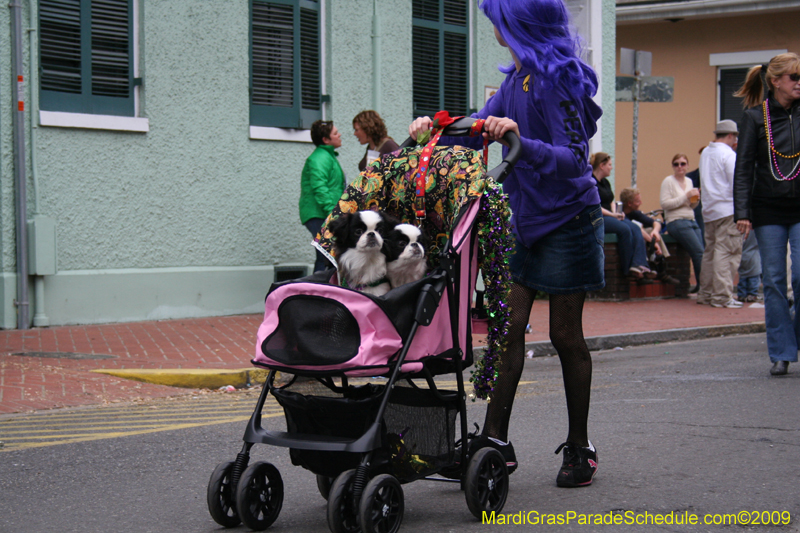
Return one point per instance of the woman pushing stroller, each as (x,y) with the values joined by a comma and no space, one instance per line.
(546,99)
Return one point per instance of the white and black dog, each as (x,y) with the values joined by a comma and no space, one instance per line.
(358,239)
(405,254)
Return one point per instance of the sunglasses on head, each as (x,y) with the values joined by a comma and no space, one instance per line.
(679,164)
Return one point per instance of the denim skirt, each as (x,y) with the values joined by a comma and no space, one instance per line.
(567,260)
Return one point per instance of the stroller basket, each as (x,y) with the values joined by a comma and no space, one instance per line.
(417,430)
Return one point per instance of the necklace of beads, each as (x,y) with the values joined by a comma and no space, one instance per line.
(774,153)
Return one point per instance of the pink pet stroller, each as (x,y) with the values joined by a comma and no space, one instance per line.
(363,441)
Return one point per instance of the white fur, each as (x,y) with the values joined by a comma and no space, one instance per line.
(411,264)
(366,264)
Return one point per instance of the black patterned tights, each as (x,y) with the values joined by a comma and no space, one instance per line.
(566,334)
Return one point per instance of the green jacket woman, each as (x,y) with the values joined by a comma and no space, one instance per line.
(322,182)
(321,185)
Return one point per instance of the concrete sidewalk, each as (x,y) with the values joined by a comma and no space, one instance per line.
(46,368)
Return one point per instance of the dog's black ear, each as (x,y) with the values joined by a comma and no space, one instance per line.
(390,247)
(389,222)
(339,228)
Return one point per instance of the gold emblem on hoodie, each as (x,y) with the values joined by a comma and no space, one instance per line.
(525,83)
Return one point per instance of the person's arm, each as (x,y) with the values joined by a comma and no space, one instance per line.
(315,173)
(670,197)
(744,170)
(567,155)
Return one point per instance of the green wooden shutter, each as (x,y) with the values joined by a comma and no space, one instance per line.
(284,63)
(440,56)
(111,58)
(86,56)
(60,45)
(426,86)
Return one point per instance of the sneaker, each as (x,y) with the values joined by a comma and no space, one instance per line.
(750,298)
(635,273)
(579,466)
(647,273)
(503,447)
(695,289)
(730,304)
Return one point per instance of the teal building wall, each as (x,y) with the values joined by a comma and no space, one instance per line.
(191,217)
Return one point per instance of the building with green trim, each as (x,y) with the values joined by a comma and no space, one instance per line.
(162,141)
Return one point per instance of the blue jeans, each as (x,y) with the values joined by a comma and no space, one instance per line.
(748,287)
(314,225)
(783,328)
(630,243)
(687,234)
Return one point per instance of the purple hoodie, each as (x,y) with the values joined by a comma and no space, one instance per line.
(552,182)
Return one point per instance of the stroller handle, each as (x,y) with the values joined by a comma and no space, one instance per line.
(462,127)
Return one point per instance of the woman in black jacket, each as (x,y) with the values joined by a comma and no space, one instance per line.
(766,193)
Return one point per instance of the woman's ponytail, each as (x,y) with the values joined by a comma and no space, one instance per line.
(753,89)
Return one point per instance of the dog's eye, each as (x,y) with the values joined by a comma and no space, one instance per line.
(359,231)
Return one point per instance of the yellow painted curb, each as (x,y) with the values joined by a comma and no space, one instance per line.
(192,378)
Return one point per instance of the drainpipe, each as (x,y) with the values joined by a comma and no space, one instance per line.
(376,58)
(40,319)
(19,170)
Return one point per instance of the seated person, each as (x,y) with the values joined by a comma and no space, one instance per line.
(651,232)
(630,243)
(679,197)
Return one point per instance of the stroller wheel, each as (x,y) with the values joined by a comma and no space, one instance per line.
(324,485)
(486,486)
(342,508)
(381,507)
(220,496)
(259,496)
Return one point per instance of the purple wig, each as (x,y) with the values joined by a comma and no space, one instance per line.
(538,32)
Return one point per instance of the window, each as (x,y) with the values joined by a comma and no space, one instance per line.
(730,81)
(285,63)
(86,56)
(440,58)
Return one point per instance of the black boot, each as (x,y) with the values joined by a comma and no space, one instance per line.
(779,368)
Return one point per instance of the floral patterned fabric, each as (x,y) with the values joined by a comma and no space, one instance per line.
(456,175)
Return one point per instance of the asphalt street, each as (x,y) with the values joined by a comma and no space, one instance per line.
(695,428)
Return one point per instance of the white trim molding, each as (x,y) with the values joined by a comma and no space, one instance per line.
(650,11)
(261,133)
(754,57)
(93,122)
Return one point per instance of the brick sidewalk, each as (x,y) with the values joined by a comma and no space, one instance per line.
(35,382)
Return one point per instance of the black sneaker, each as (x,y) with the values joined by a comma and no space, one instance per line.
(505,448)
(579,466)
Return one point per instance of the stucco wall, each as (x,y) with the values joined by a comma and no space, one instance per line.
(682,50)
(194,205)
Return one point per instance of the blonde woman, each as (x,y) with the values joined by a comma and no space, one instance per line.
(766,194)
(678,198)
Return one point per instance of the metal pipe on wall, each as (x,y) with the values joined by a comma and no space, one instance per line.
(376,58)
(40,319)
(19,169)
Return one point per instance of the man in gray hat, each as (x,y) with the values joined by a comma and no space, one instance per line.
(723,249)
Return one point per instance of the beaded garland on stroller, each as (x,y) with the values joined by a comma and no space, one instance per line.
(364,440)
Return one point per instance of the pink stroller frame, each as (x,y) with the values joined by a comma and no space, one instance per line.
(366,441)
